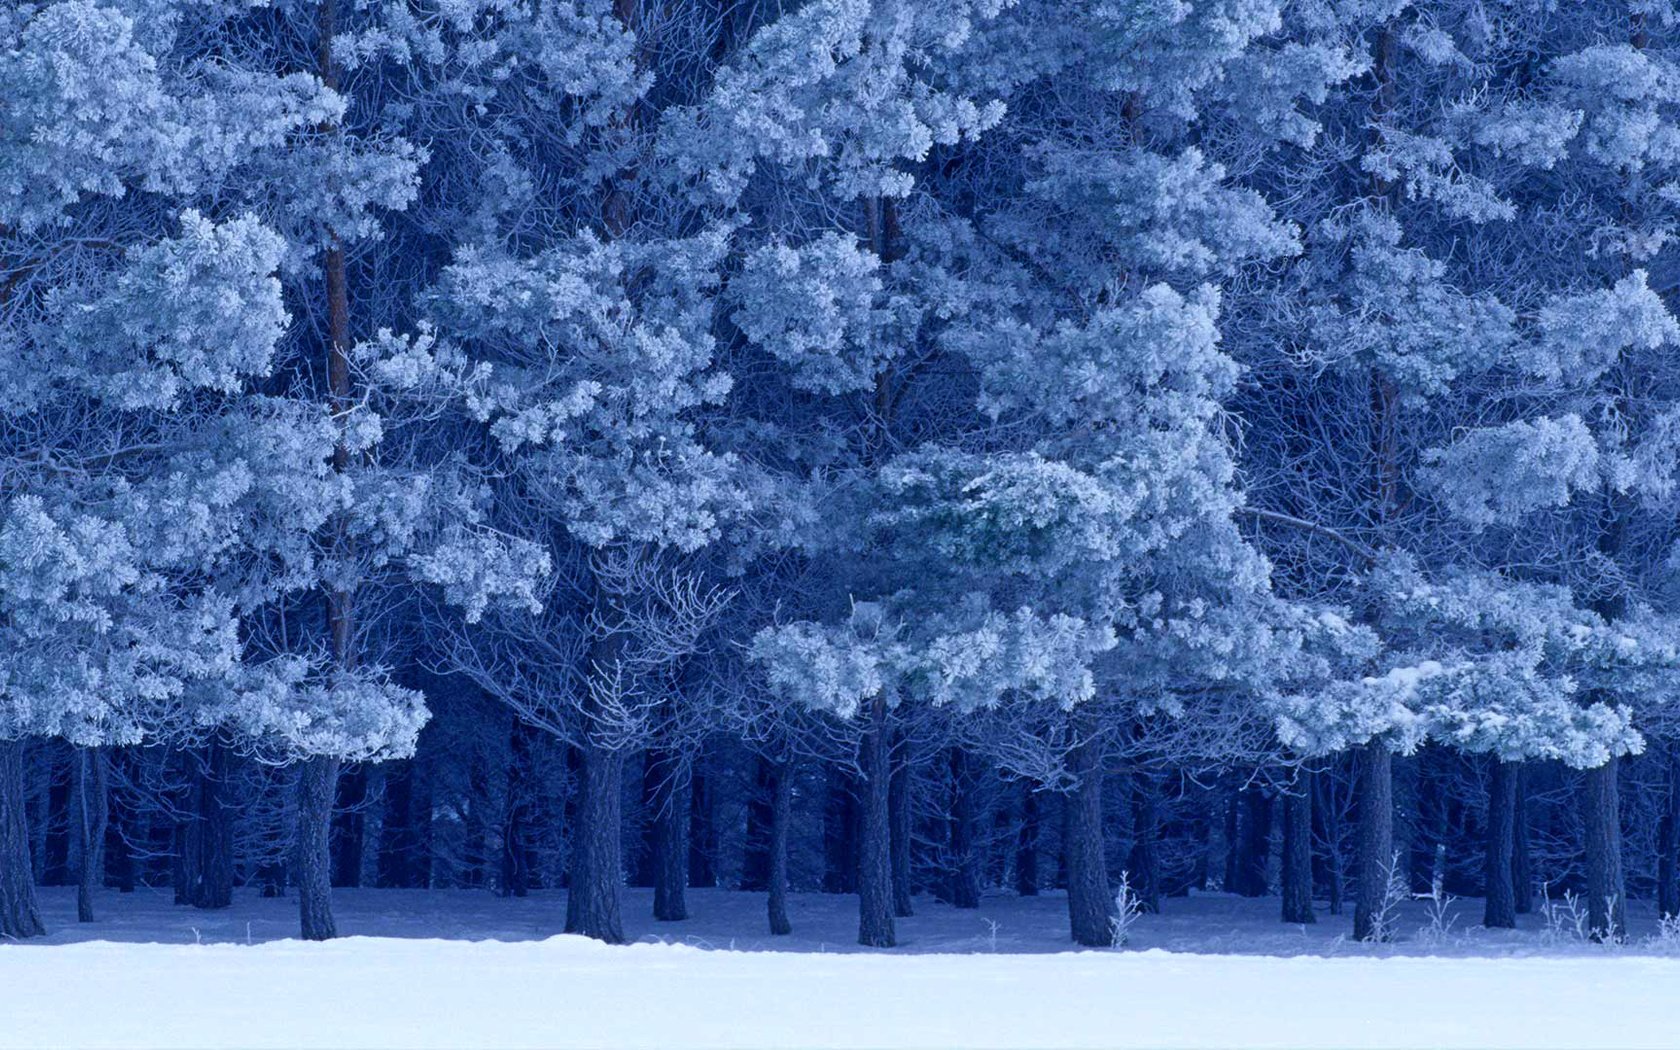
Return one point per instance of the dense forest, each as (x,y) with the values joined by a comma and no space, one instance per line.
(877,447)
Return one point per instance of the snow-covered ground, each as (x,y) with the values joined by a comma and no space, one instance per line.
(454,968)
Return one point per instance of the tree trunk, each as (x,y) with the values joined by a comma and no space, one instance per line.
(840,832)
(874,878)
(671,815)
(1602,829)
(1254,843)
(1026,842)
(1501,895)
(1668,872)
(350,826)
(965,857)
(1297,849)
(317,788)
(92,814)
(781,812)
(898,802)
(1091,910)
(1522,865)
(702,834)
(755,858)
(1143,864)
(592,903)
(19,915)
(1376,841)
(209,837)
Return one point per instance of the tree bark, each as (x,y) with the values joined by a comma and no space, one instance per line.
(1522,864)
(1668,872)
(965,858)
(20,916)
(702,834)
(755,858)
(1143,863)
(1376,841)
(209,837)
(593,901)
(671,801)
(1501,894)
(874,878)
(898,803)
(1297,849)
(92,815)
(840,831)
(1254,843)
(1026,842)
(317,788)
(1091,910)
(781,812)
(1602,830)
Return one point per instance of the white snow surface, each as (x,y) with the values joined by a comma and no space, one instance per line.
(458,968)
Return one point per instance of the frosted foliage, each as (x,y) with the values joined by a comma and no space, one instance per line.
(475,567)
(1154,360)
(199,311)
(1490,475)
(833,669)
(1038,658)
(837,81)
(595,389)
(355,716)
(1172,213)
(1583,336)
(1406,316)
(80,100)
(817,308)
(99,652)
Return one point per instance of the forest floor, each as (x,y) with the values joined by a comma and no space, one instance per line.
(459,968)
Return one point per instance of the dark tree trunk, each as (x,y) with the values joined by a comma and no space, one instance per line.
(1233,828)
(874,878)
(1026,842)
(1522,866)
(840,832)
(592,903)
(781,813)
(1668,873)
(1376,841)
(92,814)
(1091,910)
(755,858)
(317,788)
(123,828)
(209,835)
(349,826)
(671,816)
(19,915)
(965,855)
(1143,863)
(1327,819)
(702,832)
(1297,871)
(54,862)
(1602,831)
(1501,895)
(898,803)
(1254,843)
(399,843)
